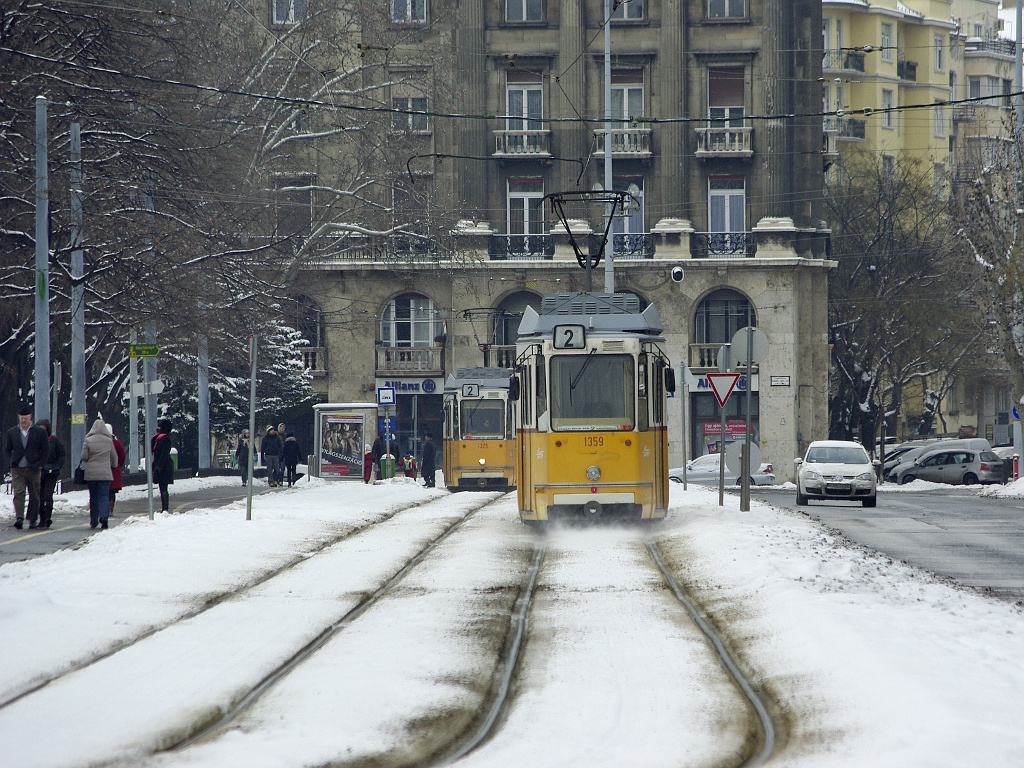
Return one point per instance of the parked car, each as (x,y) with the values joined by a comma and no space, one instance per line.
(968,443)
(958,466)
(704,470)
(836,469)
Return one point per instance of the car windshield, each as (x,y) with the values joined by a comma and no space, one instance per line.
(836,455)
(592,392)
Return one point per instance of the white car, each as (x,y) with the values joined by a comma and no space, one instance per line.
(704,470)
(836,469)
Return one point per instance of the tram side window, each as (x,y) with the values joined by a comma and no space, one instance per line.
(525,396)
(642,422)
(448,433)
(542,395)
(659,392)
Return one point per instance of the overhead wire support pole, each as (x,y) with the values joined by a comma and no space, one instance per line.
(252,425)
(42,305)
(609,261)
(78,383)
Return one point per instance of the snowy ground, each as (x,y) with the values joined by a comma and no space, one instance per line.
(867,662)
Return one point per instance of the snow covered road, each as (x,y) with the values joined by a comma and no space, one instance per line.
(864,661)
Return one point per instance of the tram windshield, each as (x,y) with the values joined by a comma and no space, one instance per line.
(483,419)
(592,392)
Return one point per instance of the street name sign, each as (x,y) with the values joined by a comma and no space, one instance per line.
(143,350)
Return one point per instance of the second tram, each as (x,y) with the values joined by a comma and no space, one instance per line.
(479,441)
(591,386)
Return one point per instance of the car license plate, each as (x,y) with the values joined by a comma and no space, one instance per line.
(837,486)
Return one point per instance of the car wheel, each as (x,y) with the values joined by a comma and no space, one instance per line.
(907,478)
(801,498)
(970,479)
(871,502)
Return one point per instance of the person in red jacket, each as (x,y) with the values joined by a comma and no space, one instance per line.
(408,464)
(115,484)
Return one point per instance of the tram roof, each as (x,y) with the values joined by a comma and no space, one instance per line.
(493,378)
(604,312)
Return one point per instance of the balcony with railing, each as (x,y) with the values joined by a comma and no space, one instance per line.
(523,145)
(845,127)
(722,245)
(843,60)
(704,358)
(315,360)
(625,246)
(998,46)
(907,70)
(499,355)
(423,361)
(626,143)
(511,247)
(725,141)
(964,113)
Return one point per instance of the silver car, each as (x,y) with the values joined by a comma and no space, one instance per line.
(958,466)
(704,471)
(836,469)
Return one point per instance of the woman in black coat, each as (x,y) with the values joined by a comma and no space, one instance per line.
(163,466)
(291,457)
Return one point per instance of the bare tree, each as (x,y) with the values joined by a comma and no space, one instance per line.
(900,307)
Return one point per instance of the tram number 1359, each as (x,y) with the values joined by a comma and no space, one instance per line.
(570,337)
(593,440)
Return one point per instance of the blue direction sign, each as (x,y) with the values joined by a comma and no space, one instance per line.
(392,425)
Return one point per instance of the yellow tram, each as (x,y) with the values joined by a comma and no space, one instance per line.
(591,386)
(479,442)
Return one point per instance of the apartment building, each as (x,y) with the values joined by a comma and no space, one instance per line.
(501,103)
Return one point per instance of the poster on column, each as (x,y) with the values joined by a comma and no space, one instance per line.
(341,444)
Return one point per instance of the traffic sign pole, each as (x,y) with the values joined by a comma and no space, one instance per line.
(721,406)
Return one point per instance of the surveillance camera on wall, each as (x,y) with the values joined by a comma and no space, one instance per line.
(677,274)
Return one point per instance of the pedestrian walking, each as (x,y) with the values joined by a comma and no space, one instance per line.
(26,448)
(408,464)
(50,475)
(116,484)
(429,459)
(270,453)
(375,453)
(99,458)
(242,456)
(291,454)
(367,463)
(163,464)
(281,465)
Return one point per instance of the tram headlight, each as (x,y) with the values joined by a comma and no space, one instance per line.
(593,472)
(483,462)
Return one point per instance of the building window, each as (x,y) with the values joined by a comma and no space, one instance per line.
(940,118)
(826,98)
(977,29)
(289,11)
(629,9)
(1007,90)
(726,204)
(940,53)
(411,320)
(887,105)
(633,222)
(887,41)
(308,319)
(720,315)
(509,315)
(726,97)
(627,95)
(405,117)
(409,11)
(524,10)
(888,166)
(939,179)
(293,205)
(524,105)
(525,206)
(726,9)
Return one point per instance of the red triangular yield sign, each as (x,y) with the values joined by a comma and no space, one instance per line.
(722,384)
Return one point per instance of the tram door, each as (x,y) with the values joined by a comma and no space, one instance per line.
(657,369)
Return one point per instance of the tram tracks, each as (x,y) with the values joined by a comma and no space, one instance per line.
(210,602)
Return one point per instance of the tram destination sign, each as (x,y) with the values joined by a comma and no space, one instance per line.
(143,350)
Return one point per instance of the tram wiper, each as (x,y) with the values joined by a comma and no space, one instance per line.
(586,363)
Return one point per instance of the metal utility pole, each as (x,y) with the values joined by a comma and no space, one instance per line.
(682,389)
(78,383)
(745,463)
(149,365)
(609,258)
(42,329)
(252,423)
(204,403)
(133,410)
(723,365)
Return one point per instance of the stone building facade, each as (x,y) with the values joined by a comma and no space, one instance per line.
(716,135)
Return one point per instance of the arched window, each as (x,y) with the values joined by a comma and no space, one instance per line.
(720,315)
(509,314)
(411,320)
